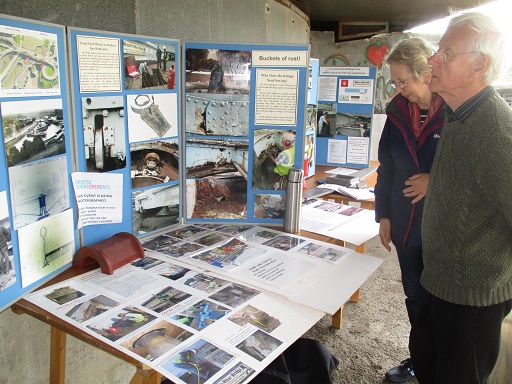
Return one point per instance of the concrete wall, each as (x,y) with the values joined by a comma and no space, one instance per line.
(24,352)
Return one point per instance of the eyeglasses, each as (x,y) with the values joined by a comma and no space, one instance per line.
(400,84)
(444,57)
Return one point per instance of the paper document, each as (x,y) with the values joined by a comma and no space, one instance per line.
(358,194)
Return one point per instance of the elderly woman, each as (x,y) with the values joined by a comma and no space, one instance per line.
(406,152)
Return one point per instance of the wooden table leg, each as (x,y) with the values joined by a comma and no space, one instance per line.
(336,320)
(146,376)
(57,356)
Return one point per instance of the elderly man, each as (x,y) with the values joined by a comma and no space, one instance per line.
(467,219)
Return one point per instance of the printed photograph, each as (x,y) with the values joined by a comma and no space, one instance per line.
(284,242)
(52,246)
(217,158)
(217,71)
(7,270)
(205,283)
(38,190)
(63,295)
(33,130)
(157,340)
(123,322)
(201,314)
(197,363)
(149,64)
(274,156)
(217,198)
(256,317)
(229,255)
(154,162)
(155,208)
(234,295)
(31,63)
(259,345)
(152,116)
(165,299)
(104,133)
(269,206)
(217,115)
(91,308)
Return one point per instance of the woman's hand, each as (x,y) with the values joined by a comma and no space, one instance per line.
(416,186)
(385,233)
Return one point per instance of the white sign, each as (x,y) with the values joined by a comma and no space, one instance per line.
(98,198)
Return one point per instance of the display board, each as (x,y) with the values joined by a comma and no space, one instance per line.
(244,117)
(311,126)
(126,99)
(37,231)
(93,141)
(345,110)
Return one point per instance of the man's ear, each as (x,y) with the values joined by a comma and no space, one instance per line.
(482,64)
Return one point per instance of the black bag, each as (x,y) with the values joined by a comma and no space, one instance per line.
(306,361)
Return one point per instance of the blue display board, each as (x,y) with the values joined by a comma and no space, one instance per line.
(344,116)
(244,119)
(37,227)
(126,98)
(95,144)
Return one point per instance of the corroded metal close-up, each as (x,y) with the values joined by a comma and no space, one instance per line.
(223,115)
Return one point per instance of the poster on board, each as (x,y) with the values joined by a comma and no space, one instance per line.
(344,115)
(35,158)
(126,98)
(244,117)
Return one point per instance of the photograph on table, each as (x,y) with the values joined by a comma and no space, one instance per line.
(165,299)
(256,317)
(197,363)
(148,64)
(205,283)
(201,314)
(157,340)
(152,116)
(259,345)
(33,130)
(91,308)
(104,133)
(217,71)
(274,156)
(234,295)
(229,255)
(284,242)
(219,158)
(154,162)
(119,323)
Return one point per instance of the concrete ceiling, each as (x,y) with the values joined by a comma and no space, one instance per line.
(400,14)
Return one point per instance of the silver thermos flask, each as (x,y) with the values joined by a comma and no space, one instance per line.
(293,202)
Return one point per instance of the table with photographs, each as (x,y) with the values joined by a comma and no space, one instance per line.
(209,303)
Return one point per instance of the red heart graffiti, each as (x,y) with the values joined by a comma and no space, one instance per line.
(376,53)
